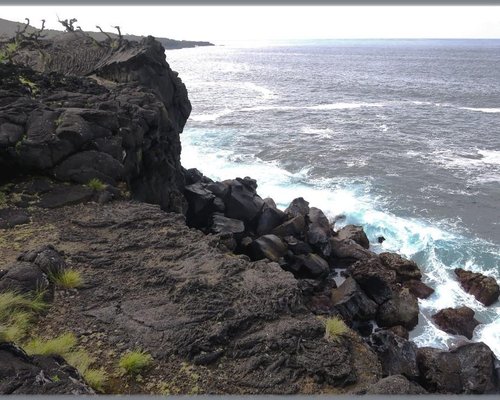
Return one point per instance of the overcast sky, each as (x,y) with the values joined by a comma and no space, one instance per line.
(223,23)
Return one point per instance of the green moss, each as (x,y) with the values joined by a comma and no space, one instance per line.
(96,184)
(134,362)
(335,328)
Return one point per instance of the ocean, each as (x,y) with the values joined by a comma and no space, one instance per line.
(399,136)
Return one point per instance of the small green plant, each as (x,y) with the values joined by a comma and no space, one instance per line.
(7,52)
(134,362)
(60,345)
(335,328)
(55,378)
(31,85)
(96,184)
(68,279)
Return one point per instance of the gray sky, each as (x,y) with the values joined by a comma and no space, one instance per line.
(224,23)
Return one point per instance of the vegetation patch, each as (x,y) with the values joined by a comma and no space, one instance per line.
(335,328)
(31,85)
(67,279)
(96,185)
(59,346)
(134,362)
(16,314)
(64,346)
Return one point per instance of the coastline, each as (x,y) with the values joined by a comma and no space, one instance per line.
(256,316)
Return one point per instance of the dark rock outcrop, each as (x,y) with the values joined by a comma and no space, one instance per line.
(376,280)
(352,303)
(400,309)
(23,277)
(405,269)
(267,246)
(397,355)
(11,217)
(418,288)
(40,375)
(395,384)
(124,125)
(298,207)
(484,288)
(457,321)
(354,232)
(468,369)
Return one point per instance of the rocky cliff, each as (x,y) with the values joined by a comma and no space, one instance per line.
(122,124)
(221,290)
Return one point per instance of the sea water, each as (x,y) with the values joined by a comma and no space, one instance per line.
(402,137)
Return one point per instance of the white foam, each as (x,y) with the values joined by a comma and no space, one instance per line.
(210,117)
(490,156)
(427,243)
(343,106)
(490,334)
(484,110)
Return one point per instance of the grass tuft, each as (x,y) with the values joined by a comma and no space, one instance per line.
(16,314)
(96,185)
(60,345)
(68,279)
(96,378)
(335,328)
(134,361)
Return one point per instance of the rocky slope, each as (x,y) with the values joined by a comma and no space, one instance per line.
(226,292)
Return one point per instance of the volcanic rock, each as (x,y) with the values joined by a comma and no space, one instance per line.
(298,207)
(400,309)
(418,288)
(293,227)
(23,277)
(397,355)
(309,266)
(227,226)
(267,246)
(405,269)
(344,252)
(354,232)
(22,374)
(10,217)
(269,219)
(468,369)
(484,288)
(352,303)
(395,384)
(376,280)
(457,321)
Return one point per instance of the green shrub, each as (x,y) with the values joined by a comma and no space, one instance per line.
(60,345)
(68,279)
(96,185)
(335,328)
(134,361)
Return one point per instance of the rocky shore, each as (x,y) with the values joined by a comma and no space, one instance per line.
(224,291)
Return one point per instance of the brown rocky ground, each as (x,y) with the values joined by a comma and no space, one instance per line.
(213,322)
